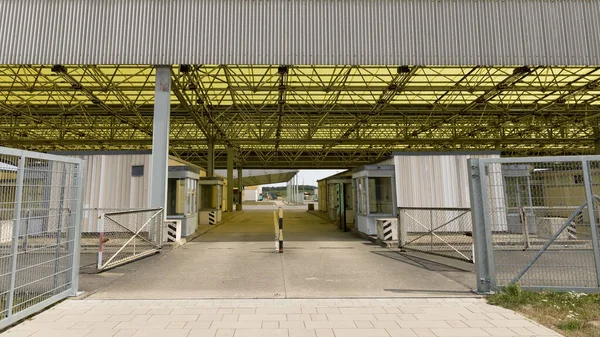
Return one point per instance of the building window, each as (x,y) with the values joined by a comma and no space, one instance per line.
(182,196)
(380,195)
(578,179)
(137,171)
(211,197)
(361,193)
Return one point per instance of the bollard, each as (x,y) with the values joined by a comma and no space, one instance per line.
(280,230)
(276,224)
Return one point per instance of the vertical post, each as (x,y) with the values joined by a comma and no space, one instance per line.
(101,237)
(75,232)
(160,138)
(431,227)
(240,189)
(481,235)
(230,154)
(210,165)
(276,224)
(280,230)
(596,137)
(587,181)
(59,224)
(15,235)
(401,229)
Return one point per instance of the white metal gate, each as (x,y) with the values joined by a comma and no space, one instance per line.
(128,235)
(439,231)
(40,212)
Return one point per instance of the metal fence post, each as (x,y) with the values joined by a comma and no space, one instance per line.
(74,248)
(481,233)
(587,181)
(59,226)
(101,238)
(15,237)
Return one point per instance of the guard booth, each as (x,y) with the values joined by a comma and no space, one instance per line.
(182,201)
(210,200)
(375,195)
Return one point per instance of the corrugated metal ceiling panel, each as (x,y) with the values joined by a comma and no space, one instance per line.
(431,32)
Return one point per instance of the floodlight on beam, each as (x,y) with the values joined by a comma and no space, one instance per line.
(403,69)
(282,69)
(59,69)
(185,68)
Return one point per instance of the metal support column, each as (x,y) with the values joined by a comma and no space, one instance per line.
(210,166)
(596,138)
(240,189)
(484,260)
(160,138)
(230,154)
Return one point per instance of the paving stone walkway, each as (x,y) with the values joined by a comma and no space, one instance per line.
(425,317)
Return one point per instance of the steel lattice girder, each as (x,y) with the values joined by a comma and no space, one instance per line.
(304,116)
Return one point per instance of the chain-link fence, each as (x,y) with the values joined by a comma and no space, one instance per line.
(440,231)
(126,236)
(40,208)
(536,222)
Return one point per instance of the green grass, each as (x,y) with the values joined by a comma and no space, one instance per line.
(571,314)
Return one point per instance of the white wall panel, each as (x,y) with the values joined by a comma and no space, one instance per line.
(109,183)
(436,180)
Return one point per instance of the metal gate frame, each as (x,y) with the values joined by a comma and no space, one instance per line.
(482,223)
(73,234)
(154,240)
(403,243)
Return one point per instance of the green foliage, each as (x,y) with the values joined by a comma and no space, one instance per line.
(570,325)
(566,311)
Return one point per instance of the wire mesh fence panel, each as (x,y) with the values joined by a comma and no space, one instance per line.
(40,206)
(542,219)
(90,237)
(441,231)
(128,235)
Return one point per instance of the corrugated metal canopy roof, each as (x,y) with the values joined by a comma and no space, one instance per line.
(434,32)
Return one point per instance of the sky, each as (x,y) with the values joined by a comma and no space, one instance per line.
(310,177)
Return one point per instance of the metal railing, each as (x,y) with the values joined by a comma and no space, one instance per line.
(440,231)
(128,235)
(536,222)
(40,208)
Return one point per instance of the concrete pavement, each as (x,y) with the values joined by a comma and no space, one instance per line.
(230,283)
(238,260)
(279,318)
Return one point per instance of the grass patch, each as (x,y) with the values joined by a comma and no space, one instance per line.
(571,314)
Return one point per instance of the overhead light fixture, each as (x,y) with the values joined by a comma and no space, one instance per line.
(282,69)
(185,68)
(403,69)
(521,70)
(59,69)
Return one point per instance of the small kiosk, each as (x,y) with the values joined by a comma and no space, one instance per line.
(375,196)
(210,200)
(182,202)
